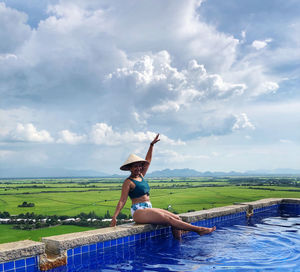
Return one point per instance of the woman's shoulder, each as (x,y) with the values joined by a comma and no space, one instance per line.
(127,180)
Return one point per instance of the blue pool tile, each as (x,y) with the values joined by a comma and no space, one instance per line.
(19,263)
(9,266)
(125,239)
(152,233)
(70,252)
(113,242)
(77,250)
(30,261)
(147,235)
(85,249)
(22,269)
(31,268)
(93,247)
(85,258)
(1,267)
(137,236)
(99,245)
(120,241)
(107,244)
(77,259)
(70,261)
(131,238)
(93,254)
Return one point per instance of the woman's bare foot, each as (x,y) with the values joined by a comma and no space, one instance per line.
(206,231)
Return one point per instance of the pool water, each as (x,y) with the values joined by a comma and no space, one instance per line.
(264,242)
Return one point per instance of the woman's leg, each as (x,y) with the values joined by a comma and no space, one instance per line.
(177,233)
(157,216)
(167,213)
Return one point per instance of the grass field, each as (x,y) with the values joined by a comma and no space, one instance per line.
(71,197)
(12,235)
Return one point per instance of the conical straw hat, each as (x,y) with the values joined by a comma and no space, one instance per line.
(131,159)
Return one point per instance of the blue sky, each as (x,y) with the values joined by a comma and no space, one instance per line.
(85,83)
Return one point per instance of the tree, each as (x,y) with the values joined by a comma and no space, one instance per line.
(122,216)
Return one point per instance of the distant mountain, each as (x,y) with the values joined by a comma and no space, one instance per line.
(40,172)
(279,171)
(186,172)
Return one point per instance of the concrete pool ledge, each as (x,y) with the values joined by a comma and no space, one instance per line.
(60,243)
(20,249)
(211,213)
(263,203)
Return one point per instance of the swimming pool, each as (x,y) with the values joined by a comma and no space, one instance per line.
(267,241)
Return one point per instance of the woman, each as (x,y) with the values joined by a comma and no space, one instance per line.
(137,188)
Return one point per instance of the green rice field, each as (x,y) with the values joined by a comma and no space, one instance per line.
(73,196)
(12,235)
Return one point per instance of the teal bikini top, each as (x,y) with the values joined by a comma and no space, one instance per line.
(141,188)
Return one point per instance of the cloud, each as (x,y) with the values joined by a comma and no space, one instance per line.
(260,44)
(103,134)
(11,19)
(242,122)
(4,57)
(285,141)
(69,137)
(29,133)
(269,86)
(174,156)
(175,88)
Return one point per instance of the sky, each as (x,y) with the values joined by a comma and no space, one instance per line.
(85,83)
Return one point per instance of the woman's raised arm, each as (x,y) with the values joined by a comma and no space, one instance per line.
(149,154)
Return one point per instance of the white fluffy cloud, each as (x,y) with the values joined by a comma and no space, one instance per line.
(260,44)
(29,133)
(69,137)
(175,88)
(242,122)
(13,31)
(103,134)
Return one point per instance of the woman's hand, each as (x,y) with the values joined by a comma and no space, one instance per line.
(113,222)
(155,140)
